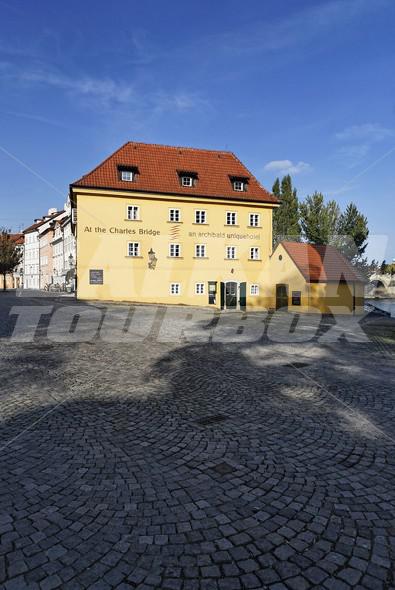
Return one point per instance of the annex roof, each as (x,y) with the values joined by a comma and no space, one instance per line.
(320,263)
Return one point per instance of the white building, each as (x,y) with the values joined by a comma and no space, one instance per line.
(31,257)
(69,253)
(57,254)
(63,251)
(31,260)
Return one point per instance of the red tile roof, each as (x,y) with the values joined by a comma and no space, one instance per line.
(33,227)
(322,264)
(36,225)
(159,166)
(17,238)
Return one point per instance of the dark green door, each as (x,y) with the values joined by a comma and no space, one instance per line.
(282,297)
(243,296)
(231,295)
(222,295)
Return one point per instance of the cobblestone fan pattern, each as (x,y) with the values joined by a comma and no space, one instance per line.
(182,467)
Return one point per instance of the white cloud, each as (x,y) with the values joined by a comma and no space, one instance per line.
(300,28)
(287,167)
(357,141)
(178,101)
(370,132)
(353,154)
(34,117)
(105,93)
(105,90)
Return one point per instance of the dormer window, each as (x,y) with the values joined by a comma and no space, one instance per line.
(188,179)
(239,184)
(127,173)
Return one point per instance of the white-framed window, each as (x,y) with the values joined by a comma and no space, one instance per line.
(238,185)
(175,288)
(255,220)
(133,249)
(186,181)
(127,175)
(174,250)
(200,216)
(231,252)
(254,289)
(174,215)
(200,250)
(199,288)
(133,212)
(254,253)
(231,218)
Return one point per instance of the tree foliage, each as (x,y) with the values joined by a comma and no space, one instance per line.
(319,220)
(10,254)
(286,224)
(385,268)
(353,231)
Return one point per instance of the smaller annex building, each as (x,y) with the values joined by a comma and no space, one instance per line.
(313,278)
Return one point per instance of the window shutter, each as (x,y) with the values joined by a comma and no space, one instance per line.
(222,295)
(243,295)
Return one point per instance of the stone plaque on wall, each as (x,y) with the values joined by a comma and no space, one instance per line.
(96,277)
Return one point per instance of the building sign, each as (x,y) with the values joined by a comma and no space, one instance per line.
(120,231)
(222,235)
(174,233)
(96,277)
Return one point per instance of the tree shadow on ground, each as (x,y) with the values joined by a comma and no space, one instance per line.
(201,465)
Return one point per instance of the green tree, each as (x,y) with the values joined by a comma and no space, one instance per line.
(10,254)
(276,188)
(319,220)
(374,266)
(286,217)
(383,267)
(353,233)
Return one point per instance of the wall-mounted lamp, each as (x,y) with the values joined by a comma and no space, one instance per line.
(152,259)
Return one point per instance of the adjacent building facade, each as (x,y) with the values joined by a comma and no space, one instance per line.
(38,265)
(312,278)
(159,224)
(63,254)
(46,256)
(31,258)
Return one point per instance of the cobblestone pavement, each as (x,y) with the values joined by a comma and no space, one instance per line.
(196,466)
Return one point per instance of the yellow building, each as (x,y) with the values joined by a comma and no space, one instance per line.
(312,278)
(159,224)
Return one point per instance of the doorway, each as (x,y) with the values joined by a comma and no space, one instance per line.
(231,295)
(282,297)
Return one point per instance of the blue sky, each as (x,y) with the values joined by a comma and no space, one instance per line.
(305,87)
